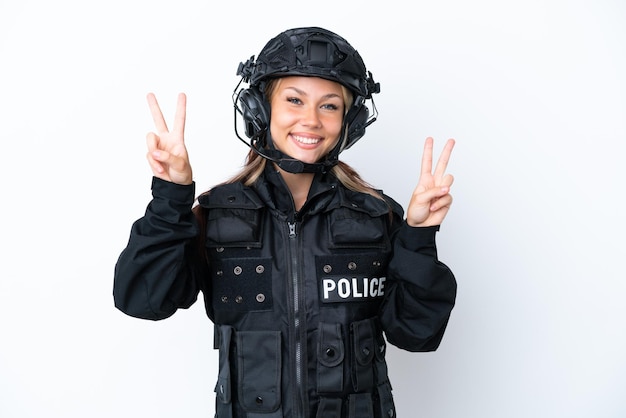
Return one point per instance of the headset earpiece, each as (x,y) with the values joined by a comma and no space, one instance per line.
(255,111)
(357,119)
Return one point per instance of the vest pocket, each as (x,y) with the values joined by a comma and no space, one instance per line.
(379,359)
(329,408)
(330,355)
(386,407)
(259,360)
(363,346)
(223,400)
(360,405)
(348,228)
(234,227)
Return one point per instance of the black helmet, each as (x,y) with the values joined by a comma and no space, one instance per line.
(311,51)
(308,51)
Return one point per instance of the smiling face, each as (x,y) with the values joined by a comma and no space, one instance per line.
(306,116)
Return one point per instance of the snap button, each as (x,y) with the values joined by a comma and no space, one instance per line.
(260,269)
(224,299)
(237,270)
(327,268)
(259,400)
(220,249)
(330,352)
(231,199)
(260,298)
(239,299)
(352,265)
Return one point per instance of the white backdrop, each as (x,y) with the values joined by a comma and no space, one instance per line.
(534,92)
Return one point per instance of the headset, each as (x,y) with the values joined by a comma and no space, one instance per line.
(307,51)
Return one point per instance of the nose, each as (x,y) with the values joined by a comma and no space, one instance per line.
(311,117)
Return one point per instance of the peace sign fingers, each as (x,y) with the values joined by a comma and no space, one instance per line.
(179,117)
(431,200)
(167,153)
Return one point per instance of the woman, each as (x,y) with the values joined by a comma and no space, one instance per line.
(306,270)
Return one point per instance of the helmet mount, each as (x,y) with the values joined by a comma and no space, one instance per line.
(308,51)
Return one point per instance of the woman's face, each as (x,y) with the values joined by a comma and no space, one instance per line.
(306,116)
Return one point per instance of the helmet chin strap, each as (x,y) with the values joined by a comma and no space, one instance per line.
(294,166)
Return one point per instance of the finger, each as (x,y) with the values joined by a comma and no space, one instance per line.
(152,141)
(442,202)
(157,115)
(430,194)
(157,167)
(444,158)
(181,114)
(427,156)
(448,179)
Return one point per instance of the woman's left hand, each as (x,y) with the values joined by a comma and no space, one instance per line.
(431,198)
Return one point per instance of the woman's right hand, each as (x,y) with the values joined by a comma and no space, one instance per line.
(167,153)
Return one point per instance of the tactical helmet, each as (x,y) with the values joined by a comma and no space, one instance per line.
(311,51)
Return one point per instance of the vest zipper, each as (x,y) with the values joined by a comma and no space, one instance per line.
(300,397)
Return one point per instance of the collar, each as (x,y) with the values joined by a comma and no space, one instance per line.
(275,189)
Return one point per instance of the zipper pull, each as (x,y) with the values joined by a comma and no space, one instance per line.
(292,229)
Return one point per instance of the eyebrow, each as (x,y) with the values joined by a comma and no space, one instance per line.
(326,96)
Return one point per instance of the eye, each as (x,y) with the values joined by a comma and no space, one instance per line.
(330,106)
(294,100)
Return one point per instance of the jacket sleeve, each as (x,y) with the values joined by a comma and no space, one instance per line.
(420,294)
(154,274)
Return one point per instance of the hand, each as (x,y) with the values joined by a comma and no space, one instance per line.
(167,153)
(431,198)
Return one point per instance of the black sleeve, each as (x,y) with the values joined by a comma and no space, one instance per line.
(420,294)
(154,274)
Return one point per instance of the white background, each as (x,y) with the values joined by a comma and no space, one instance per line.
(534,93)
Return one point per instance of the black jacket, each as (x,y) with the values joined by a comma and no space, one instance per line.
(300,300)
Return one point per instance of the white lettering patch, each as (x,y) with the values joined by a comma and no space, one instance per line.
(344,289)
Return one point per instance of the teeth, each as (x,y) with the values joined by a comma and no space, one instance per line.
(304,140)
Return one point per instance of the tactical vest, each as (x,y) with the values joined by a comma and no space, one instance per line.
(294,299)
